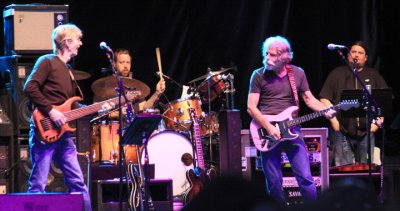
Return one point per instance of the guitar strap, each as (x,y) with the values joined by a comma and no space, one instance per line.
(292,82)
(76,83)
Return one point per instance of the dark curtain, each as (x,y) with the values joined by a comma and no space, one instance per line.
(194,35)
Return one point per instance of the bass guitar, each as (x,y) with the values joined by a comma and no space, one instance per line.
(284,122)
(197,176)
(49,132)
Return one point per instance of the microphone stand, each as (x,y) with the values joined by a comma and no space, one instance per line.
(371,110)
(121,93)
(169,78)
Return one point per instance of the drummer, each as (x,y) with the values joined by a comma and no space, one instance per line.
(122,61)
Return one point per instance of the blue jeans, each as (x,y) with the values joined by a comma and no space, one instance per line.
(349,150)
(64,153)
(300,164)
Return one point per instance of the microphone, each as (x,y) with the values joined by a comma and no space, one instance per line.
(332,46)
(104,46)
(165,76)
(169,78)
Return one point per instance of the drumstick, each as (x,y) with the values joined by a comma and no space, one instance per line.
(159,62)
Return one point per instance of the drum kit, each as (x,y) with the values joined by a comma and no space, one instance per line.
(168,145)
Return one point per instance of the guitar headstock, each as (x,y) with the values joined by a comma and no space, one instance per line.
(347,104)
(133,95)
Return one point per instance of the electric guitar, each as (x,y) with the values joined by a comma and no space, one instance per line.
(284,122)
(198,176)
(49,132)
(135,180)
(137,195)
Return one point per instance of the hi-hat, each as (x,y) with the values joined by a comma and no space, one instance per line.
(81,75)
(105,88)
(210,74)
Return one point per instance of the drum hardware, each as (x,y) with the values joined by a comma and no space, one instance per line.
(210,74)
(229,90)
(176,123)
(213,85)
(104,113)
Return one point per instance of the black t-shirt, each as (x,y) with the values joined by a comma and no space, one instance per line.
(276,93)
(342,78)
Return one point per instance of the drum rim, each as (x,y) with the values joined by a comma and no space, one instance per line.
(184,99)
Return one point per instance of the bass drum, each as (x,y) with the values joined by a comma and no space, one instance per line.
(172,155)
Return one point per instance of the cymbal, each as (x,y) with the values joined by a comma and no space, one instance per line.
(209,74)
(105,87)
(81,75)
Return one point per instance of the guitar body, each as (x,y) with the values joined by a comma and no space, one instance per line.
(48,131)
(135,196)
(284,122)
(262,141)
(196,184)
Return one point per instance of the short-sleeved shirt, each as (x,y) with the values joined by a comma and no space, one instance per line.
(276,93)
(342,78)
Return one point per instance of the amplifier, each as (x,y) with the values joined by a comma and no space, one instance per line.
(28,27)
(316,145)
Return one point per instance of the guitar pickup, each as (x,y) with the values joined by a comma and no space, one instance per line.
(262,133)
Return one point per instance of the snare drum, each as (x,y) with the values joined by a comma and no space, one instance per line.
(172,154)
(177,116)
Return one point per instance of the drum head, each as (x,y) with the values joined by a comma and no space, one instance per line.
(167,151)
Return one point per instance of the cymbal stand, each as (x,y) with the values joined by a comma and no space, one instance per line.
(229,91)
(210,122)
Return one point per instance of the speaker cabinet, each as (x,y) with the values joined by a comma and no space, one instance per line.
(47,201)
(316,140)
(16,69)
(28,27)
(316,144)
(105,194)
(230,143)
(83,142)
(55,180)
(6,153)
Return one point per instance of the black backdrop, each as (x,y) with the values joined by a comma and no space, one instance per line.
(194,35)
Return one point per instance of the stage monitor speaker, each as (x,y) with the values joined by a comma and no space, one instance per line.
(230,143)
(45,201)
(28,27)
(16,69)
